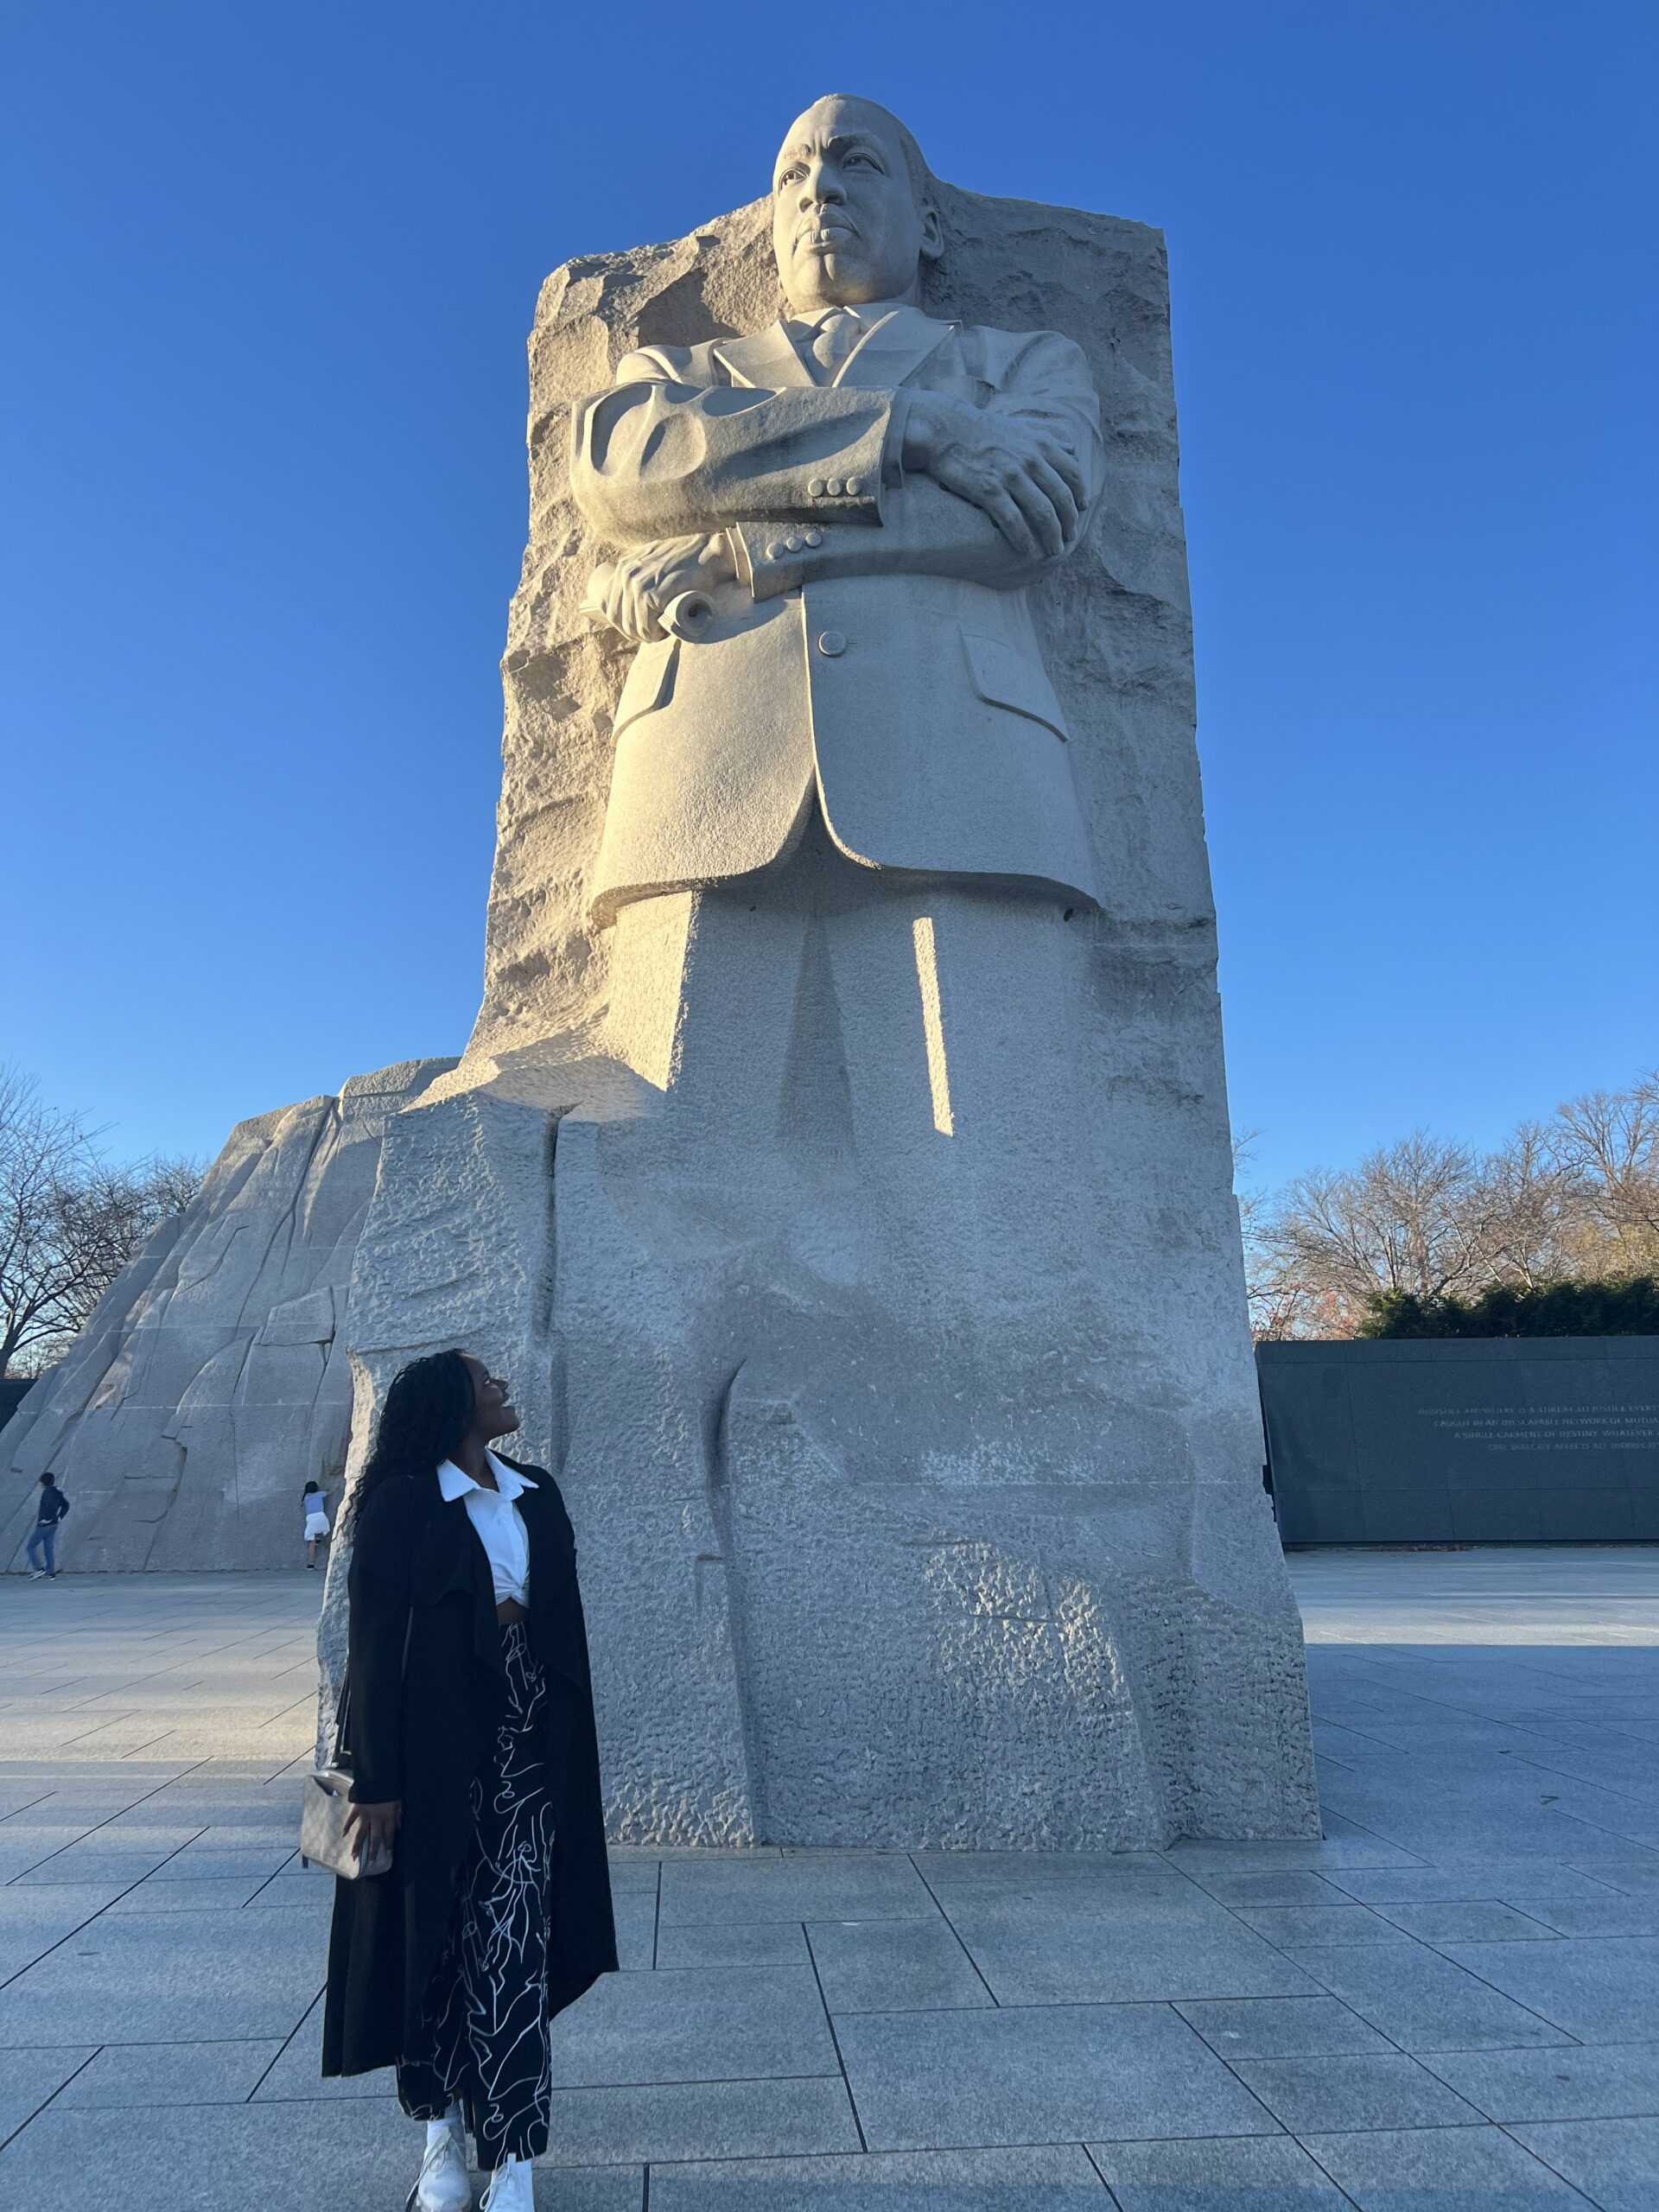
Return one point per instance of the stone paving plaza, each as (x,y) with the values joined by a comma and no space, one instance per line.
(1448,2006)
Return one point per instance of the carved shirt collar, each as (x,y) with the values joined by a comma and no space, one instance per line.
(867,311)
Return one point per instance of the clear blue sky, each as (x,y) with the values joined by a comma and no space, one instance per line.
(267,278)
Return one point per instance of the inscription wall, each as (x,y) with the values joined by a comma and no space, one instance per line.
(1551,1439)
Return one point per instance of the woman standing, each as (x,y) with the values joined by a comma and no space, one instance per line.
(316,1519)
(471,1731)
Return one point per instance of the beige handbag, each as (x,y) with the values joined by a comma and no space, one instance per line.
(326,1801)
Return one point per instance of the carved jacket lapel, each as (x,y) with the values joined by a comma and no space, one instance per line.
(892,350)
(766,361)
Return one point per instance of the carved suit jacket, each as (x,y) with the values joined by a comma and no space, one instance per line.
(877,650)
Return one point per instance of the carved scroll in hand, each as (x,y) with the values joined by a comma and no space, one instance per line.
(688,614)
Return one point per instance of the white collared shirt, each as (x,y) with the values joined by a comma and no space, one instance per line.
(499,1523)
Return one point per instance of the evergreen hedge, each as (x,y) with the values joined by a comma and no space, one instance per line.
(1630,1308)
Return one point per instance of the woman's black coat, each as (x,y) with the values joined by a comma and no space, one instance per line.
(428,1689)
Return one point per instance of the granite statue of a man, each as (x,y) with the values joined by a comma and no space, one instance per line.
(841,1165)
(873,488)
(861,1305)
(840,1168)
(850,754)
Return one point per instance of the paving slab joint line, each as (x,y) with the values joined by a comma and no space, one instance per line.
(1106,2186)
(148,1745)
(6,1982)
(1543,2019)
(1176,2002)
(1508,2127)
(828,2021)
(96,1830)
(1540,1931)
(1283,2136)
(1111,2194)
(28,1807)
(955,1936)
(1244,2085)
(269,1879)
(1309,2151)
(278,2060)
(29,2119)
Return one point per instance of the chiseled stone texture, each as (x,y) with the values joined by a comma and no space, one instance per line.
(457,1249)
(977,1558)
(210,1384)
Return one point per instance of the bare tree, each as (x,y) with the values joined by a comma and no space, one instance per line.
(1607,1143)
(1416,1216)
(1533,1209)
(172,1179)
(1280,1304)
(41,1152)
(69,1221)
(104,1218)
(1576,1197)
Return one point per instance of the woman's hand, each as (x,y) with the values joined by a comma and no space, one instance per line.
(375,1825)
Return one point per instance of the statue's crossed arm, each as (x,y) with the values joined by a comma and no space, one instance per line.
(782,487)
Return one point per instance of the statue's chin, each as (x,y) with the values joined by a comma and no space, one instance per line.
(830,278)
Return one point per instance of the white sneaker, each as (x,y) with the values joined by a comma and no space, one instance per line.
(444,2184)
(512,2188)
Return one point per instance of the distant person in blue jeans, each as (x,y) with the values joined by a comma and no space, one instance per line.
(43,1538)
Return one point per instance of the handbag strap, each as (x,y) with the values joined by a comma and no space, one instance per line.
(342,1753)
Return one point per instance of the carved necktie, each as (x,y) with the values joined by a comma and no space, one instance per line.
(834,340)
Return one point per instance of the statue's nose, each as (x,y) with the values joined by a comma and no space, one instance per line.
(822,185)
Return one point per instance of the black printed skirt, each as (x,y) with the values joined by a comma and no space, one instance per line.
(483,2035)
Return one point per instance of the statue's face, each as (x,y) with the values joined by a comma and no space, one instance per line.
(845,225)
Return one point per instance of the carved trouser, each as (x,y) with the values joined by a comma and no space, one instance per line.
(833,1313)
(907,1049)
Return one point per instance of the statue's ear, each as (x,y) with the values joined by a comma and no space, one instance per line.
(932,234)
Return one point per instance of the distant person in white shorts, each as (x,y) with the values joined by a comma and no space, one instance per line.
(316,1521)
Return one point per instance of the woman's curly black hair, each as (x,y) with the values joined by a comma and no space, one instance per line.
(428,1410)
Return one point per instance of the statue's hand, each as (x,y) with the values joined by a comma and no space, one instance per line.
(631,592)
(1021,474)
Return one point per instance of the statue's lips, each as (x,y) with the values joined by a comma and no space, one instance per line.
(825,234)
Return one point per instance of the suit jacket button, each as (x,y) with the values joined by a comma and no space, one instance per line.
(794,543)
(832,486)
(775,550)
(815,488)
(854,485)
(815,537)
(832,642)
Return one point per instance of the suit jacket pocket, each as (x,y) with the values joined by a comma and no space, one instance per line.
(1005,677)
